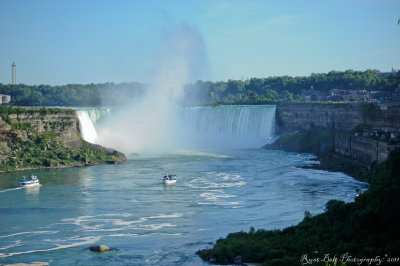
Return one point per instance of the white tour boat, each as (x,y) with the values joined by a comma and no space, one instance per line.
(169,179)
(33,181)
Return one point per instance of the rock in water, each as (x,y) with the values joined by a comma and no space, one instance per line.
(99,248)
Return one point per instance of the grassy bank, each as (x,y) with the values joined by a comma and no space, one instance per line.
(45,151)
(348,232)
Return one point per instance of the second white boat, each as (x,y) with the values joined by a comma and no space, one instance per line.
(169,179)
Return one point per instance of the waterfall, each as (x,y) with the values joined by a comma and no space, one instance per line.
(257,121)
(87,129)
(219,127)
(87,120)
(231,126)
(96,114)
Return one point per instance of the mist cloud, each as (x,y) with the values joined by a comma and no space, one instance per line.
(151,124)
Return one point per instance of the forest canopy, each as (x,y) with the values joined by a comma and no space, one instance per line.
(250,91)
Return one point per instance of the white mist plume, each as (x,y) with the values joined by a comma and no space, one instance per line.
(151,125)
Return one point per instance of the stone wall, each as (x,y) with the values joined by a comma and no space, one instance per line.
(366,151)
(341,118)
(337,117)
(65,123)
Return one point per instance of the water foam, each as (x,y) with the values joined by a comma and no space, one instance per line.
(121,222)
(88,131)
(83,241)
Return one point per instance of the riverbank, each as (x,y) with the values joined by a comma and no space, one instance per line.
(39,138)
(320,142)
(361,229)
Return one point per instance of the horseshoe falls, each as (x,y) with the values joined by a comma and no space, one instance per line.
(230,126)
(199,128)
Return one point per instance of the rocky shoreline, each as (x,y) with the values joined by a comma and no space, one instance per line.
(360,229)
(320,143)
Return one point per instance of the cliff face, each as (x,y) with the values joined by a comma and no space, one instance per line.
(63,123)
(41,137)
(337,117)
(364,150)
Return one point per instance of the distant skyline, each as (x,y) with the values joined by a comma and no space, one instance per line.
(97,41)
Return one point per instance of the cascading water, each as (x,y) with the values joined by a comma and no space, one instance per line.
(197,128)
(230,126)
(87,129)
(97,113)
(246,121)
(87,120)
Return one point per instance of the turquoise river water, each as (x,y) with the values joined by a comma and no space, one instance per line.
(128,208)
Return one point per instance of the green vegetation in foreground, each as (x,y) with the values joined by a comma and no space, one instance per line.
(365,228)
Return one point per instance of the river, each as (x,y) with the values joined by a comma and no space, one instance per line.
(126,206)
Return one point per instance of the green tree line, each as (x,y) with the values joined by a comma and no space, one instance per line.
(250,91)
(73,94)
(287,89)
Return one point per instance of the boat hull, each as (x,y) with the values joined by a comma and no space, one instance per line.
(29,182)
(169,182)
(29,185)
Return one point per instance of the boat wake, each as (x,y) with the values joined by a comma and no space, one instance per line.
(82,241)
(10,189)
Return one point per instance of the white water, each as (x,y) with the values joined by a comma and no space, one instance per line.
(87,129)
(97,113)
(133,131)
(230,126)
(87,121)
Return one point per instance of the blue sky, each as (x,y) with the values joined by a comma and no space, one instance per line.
(95,41)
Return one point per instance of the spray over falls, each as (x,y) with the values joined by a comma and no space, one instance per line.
(198,128)
(158,124)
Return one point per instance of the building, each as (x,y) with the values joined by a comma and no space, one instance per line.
(387,74)
(312,95)
(361,95)
(14,73)
(5,99)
